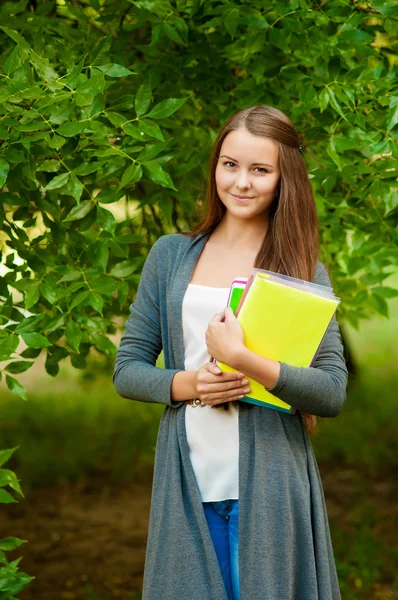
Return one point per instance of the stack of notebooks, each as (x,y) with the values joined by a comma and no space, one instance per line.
(284,319)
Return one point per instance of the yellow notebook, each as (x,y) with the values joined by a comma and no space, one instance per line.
(282,323)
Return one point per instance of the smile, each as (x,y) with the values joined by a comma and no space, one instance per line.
(242,197)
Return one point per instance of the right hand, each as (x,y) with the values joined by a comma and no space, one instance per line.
(213,387)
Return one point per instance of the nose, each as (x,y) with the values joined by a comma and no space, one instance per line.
(243,180)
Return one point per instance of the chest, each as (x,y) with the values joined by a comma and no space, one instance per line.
(218,267)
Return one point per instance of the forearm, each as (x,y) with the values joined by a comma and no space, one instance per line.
(319,390)
(182,386)
(263,370)
(140,381)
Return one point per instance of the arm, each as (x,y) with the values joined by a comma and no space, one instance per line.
(319,390)
(135,375)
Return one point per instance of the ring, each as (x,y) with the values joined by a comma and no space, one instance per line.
(197,402)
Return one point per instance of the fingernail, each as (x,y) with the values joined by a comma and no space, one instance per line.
(245,382)
(246,390)
(217,370)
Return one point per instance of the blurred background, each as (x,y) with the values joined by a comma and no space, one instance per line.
(108,112)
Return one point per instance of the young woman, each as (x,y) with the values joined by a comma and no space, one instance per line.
(237,508)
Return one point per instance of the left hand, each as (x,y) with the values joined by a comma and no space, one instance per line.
(226,339)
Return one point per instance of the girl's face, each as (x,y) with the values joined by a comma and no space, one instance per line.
(247,174)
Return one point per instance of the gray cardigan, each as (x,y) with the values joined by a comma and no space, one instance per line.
(285,551)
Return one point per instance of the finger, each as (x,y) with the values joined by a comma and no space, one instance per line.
(229,313)
(241,385)
(209,376)
(209,390)
(213,368)
(217,318)
(229,396)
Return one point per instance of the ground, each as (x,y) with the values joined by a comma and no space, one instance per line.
(87,540)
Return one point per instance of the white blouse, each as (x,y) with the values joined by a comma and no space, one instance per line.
(212,434)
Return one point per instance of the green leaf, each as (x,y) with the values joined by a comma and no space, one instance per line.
(73,335)
(143,98)
(87,168)
(151,128)
(324,99)
(379,304)
(385,291)
(126,267)
(74,187)
(13,61)
(105,219)
(122,293)
(35,340)
(10,543)
(115,70)
(94,85)
(57,182)
(80,211)
(78,299)
(109,196)
(4,168)
(50,166)
(132,174)
(100,50)
(16,387)
(104,344)
(8,477)
(30,324)
(19,366)
(6,454)
(32,295)
(172,33)
(104,285)
(159,176)
(71,128)
(133,131)
(8,346)
(56,142)
(5,498)
(166,108)
(391,201)
(331,150)
(393,119)
(96,301)
(151,152)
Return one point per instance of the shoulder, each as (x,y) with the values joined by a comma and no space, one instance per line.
(173,241)
(174,244)
(321,274)
(169,250)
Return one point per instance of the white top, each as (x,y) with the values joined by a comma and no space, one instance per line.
(213,434)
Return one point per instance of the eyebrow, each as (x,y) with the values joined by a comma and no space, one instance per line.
(253,164)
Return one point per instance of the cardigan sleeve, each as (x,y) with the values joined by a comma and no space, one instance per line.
(321,389)
(135,375)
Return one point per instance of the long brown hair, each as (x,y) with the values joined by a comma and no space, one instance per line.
(291,243)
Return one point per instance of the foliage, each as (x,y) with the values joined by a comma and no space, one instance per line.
(109,110)
(12,580)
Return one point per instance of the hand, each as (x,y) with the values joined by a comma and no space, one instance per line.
(213,387)
(225,339)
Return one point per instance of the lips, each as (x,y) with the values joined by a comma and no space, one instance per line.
(242,197)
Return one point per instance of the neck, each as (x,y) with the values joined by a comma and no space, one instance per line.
(240,233)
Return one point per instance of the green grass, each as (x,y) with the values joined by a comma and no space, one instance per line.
(82,430)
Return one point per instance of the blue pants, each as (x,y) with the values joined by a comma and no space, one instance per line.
(222,518)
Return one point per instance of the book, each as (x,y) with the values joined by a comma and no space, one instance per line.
(284,319)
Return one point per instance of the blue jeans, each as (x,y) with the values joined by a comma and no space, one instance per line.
(222,518)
